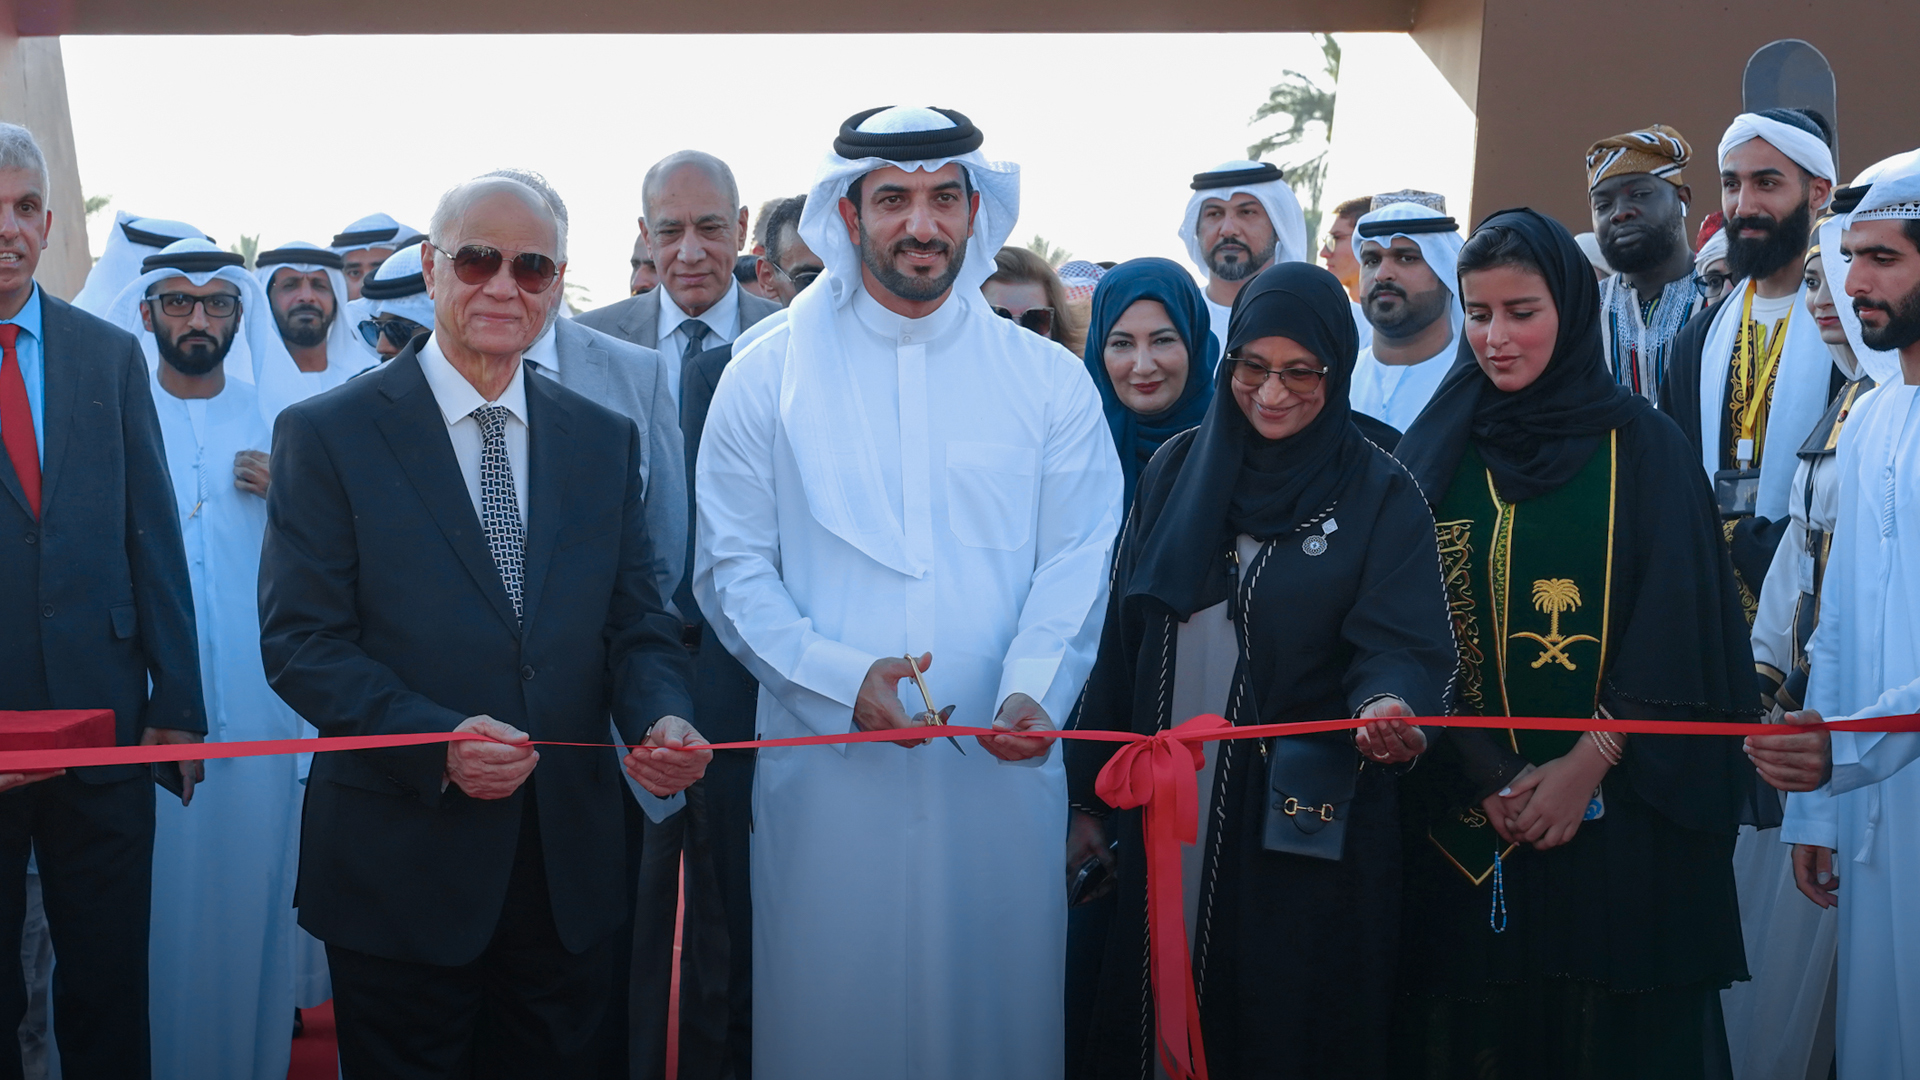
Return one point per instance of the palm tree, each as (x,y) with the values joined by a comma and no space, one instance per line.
(1553,597)
(1052,254)
(1305,101)
(577,297)
(97,203)
(246,247)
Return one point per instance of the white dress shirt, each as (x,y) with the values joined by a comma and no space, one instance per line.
(457,399)
(723,325)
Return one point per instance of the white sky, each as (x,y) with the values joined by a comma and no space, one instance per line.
(293,137)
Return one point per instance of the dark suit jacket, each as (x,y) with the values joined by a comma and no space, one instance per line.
(95,599)
(725,693)
(381,611)
(637,318)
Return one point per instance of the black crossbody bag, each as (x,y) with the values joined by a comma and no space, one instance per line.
(1311,779)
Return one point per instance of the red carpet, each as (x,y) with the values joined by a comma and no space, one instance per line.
(314,1054)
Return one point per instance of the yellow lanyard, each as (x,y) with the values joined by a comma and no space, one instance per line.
(1758,382)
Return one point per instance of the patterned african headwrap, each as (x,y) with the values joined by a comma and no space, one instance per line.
(1429,199)
(1659,150)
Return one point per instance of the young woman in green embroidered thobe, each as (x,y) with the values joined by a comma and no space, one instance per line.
(1573,894)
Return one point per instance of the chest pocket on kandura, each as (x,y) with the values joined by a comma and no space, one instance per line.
(991,488)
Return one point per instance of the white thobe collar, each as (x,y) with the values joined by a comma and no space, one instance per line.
(722,319)
(456,396)
(900,329)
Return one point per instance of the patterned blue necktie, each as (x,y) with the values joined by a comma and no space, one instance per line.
(499,505)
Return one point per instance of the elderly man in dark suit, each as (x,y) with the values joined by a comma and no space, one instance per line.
(633,381)
(694,224)
(95,612)
(452,545)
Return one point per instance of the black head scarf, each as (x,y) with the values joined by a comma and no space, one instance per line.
(1534,439)
(1233,481)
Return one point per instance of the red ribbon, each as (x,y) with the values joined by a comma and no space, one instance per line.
(1155,772)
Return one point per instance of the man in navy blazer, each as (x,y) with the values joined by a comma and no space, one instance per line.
(454,545)
(96,611)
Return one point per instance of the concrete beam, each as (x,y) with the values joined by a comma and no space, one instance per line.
(668,17)
(33,94)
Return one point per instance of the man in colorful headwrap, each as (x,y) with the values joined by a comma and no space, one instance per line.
(894,472)
(1748,378)
(1639,200)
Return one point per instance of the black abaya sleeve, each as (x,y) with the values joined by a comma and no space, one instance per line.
(1399,625)
(1682,651)
(1107,703)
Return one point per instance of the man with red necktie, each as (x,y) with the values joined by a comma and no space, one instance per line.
(95,612)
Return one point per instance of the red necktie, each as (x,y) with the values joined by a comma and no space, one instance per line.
(16,419)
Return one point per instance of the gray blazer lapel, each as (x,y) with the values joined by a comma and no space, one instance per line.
(417,433)
(587,361)
(642,321)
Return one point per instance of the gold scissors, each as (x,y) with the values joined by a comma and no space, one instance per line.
(936,717)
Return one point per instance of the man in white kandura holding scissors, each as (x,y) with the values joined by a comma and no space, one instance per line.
(895,471)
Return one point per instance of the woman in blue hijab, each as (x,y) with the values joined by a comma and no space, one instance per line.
(1152,355)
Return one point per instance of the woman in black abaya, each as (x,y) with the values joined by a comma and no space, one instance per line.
(1277,567)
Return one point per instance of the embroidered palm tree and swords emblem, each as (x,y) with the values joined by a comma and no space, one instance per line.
(1554,597)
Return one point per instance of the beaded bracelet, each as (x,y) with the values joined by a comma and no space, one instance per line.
(1608,750)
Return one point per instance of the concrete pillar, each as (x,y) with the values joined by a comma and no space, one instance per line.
(1546,80)
(33,93)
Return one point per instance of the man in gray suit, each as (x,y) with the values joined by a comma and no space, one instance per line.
(632,380)
(694,225)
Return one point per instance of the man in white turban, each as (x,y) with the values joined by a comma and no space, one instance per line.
(257,353)
(1855,804)
(307,290)
(1241,219)
(131,240)
(1407,253)
(894,471)
(1748,378)
(393,305)
(365,244)
(223,937)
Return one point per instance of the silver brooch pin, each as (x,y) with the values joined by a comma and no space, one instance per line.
(1317,543)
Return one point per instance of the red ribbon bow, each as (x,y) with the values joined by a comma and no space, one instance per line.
(1158,773)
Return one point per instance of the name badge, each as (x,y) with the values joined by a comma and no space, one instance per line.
(1736,492)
